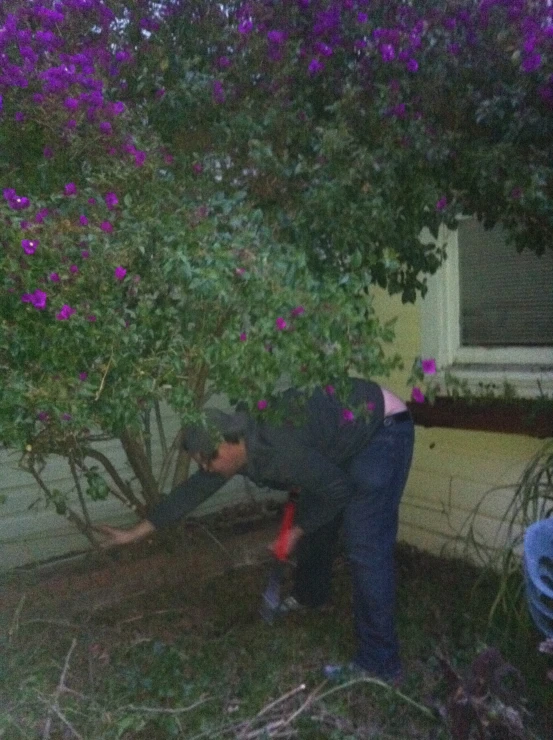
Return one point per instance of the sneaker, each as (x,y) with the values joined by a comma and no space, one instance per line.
(289,605)
(352,671)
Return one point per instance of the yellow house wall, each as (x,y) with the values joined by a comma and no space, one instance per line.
(453,470)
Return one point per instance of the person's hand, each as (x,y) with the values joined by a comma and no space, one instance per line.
(113,536)
(116,536)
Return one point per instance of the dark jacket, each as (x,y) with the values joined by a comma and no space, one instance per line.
(310,449)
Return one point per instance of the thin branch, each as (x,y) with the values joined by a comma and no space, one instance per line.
(168,457)
(103,381)
(377,682)
(14,627)
(147,437)
(54,708)
(135,503)
(163,710)
(80,493)
(212,536)
(68,513)
(160,429)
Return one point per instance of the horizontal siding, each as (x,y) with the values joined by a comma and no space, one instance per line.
(454,472)
(30,531)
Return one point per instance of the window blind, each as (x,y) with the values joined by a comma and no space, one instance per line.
(506,297)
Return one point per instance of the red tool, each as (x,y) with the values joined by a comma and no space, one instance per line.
(271,595)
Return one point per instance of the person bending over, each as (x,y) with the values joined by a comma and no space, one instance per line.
(350,459)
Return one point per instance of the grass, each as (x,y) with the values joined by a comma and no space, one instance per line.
(195,661)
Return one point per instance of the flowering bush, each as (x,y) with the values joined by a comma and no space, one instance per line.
(128,280)
(199,196)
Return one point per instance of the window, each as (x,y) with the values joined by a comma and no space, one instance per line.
(488,313)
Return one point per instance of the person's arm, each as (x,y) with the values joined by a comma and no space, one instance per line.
(183,499)
(325,489)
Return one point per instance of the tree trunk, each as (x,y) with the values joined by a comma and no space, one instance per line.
(136,455)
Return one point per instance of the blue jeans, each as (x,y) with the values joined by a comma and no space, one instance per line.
(378,473)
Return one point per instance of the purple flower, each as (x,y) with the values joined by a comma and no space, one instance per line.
(38,299)
(417,395)
(120,273)
(197,168)
(262,404)
(111,201)
(106,226)
(83,377)
(70,189)
(41,215)
(105,128)
(65,417)
(348,415)
(65,313)
(362,17)
(83,220)
(387,52)
(43,416)
(330,390)
(412,65)
(223,62)
(218,91)
(90,317)
(276,37)
(297,311)
(280,324)
(71,123)
(117,108)
(85,254)
(71,103)
(428,366)
(29,245)
(531,62)
(47,152)
(19,116)
(139,158)
(370,406)
(323,49)
(18,202)
(74,269)
(441,203)
(53,277)
(245,26)
(315,66)
(91,201)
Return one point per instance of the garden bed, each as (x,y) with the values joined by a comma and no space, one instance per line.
(154,644)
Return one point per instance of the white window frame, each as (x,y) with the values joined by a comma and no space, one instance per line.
(528,370)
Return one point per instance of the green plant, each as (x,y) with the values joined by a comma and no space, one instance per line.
(532,500)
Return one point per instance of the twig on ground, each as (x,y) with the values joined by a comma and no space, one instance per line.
(246,727)
(55,622)
(365,679)
(14,627)
(163,710)
(54,708)
(152,614)
(212,536)
(282,698)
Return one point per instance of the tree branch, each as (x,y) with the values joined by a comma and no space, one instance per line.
(136,456)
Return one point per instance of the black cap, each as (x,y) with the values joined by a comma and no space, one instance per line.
(204,439)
